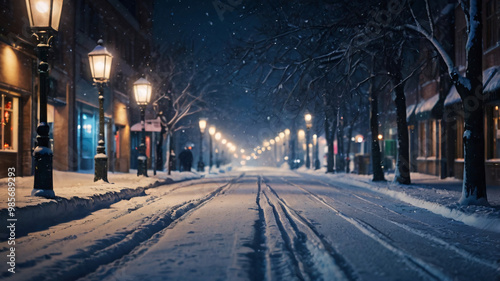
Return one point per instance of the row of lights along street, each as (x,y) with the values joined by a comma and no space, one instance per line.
(289,153)
(212,132)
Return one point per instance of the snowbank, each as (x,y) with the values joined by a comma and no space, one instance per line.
(429,192)
(77,195)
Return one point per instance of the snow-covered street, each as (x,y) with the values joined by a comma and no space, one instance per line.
(260,224)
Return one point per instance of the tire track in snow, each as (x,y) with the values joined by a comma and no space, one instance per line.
(281,262)
(313,257)
(259,261)
(432,238)
(425,270)
(465,254)
(121,235)
(108,250)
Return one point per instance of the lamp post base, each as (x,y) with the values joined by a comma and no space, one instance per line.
(201,166)
(46,193)
(317,165)
(142,166)
(101,167)
(43,182)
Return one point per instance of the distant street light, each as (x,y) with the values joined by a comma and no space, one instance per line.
(142,93)
(211,132)
(100,67)
(289,155)
(44,17)
(203,124)
(308,119)
(359,138)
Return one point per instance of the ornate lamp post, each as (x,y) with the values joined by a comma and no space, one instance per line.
(44,17)
(288,148)
(317,164)
(211,132)
(142,93)
(100,67)
(203,124)
(301,138)
(308,119)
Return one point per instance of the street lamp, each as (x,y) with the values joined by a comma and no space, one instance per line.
(203,125)
(142,92)
(308,119)
(100,67)
(44,17)
(317,164)
(211,132)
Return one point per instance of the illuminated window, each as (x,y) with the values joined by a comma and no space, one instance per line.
(493,147)
(431,139)
(422,137)
(9,123)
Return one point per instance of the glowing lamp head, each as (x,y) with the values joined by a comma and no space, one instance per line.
(100,63)
(211,130)
(44,15)
(203,124)
(302,134)
(359,138)
(142,91)
(218,136)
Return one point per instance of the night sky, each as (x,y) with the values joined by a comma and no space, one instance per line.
(235,109)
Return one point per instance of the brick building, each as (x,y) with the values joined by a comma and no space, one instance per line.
(125,26)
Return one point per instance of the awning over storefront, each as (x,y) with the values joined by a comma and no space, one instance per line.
(452,97)
(491,84)
(410,112)
(152,125)
(491,79)
(425,108)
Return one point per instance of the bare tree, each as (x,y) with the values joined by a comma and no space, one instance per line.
(470,89)
(182,86)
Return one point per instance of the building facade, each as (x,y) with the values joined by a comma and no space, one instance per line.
(435,113)
(125,26)
(17,87)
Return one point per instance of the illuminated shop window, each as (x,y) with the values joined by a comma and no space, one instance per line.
(496,132)
(9,128)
